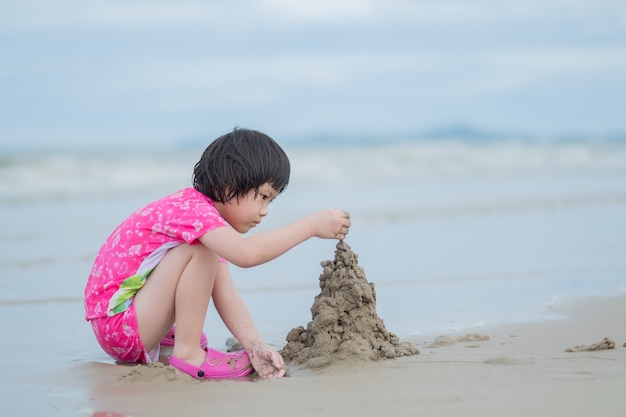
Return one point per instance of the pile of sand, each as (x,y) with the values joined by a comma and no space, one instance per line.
(445,340)
(605,344)
(155,372)
(345,324)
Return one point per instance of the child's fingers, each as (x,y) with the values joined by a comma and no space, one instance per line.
(277,361)
(274,365)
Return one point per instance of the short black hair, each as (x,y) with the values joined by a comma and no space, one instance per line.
(240,161)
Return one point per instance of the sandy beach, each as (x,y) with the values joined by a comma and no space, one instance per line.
(517,369)
(492,270)
(478,147)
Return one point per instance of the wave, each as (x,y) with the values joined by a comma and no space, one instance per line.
(492,207)
(25,178)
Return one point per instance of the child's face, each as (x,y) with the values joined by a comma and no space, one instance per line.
(247,211)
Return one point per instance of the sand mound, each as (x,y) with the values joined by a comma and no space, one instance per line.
(605,344)
(472,337)
(445,340)
(155,372)
(345,324)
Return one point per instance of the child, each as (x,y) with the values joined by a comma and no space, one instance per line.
(164,263)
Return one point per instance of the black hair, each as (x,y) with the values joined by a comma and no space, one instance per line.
(240,161)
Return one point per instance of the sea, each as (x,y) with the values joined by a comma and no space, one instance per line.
(456,234)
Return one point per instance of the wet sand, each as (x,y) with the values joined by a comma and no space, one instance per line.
(517,369)
(467,251)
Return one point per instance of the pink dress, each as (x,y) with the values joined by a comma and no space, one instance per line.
(129,255)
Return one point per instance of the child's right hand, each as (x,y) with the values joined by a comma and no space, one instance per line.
(331,224)
(266,361)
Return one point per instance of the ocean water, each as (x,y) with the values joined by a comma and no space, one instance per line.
(456,235)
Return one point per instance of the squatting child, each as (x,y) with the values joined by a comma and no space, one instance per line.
(153,279)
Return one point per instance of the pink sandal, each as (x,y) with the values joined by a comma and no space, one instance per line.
(168,340)
(217,365)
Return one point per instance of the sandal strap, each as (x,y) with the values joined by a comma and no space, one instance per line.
(221,369)
(186,367)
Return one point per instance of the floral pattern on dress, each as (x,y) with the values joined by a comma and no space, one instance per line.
(135,247)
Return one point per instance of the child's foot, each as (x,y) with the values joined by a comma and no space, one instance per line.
(168,340)
(217,365)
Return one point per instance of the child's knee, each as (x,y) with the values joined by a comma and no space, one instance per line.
(199,253)
(202,251)
(185,249)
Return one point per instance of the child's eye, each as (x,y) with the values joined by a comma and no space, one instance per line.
(266,197)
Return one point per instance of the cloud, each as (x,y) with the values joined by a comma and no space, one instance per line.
(75,15)
(123,66)
(320,10)
(42,15)
(510,70)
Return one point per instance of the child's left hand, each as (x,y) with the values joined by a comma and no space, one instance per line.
(266,361)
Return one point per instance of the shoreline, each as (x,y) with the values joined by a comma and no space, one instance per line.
(517,369)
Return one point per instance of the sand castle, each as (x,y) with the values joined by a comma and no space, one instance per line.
(344,323)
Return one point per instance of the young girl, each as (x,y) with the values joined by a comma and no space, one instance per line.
(164,263)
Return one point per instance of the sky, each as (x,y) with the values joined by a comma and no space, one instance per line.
(86,73)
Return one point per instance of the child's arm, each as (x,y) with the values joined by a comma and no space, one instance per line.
(262,247)
(266,361)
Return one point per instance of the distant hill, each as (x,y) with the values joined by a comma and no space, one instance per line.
(456,132)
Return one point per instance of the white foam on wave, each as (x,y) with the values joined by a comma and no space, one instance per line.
(54,176)
(417,161)
(67,175)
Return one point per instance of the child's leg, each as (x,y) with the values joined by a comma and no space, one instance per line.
(178,290)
